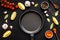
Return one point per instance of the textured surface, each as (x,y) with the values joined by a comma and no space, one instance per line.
(17,33)
(31,21)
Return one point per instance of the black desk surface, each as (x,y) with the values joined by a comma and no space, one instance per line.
(17,33)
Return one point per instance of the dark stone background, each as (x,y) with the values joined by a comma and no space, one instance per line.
(17,33)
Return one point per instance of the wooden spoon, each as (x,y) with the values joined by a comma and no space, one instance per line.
(55,31)
(54,4)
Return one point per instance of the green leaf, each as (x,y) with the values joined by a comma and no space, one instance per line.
(56,13)
(52,25)
(6,16)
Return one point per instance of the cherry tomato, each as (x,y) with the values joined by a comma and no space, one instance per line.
(7,2)
(4,0)
(5,6)
(16,6)
(13,8)
(12,4)
(2,4)
(10,7)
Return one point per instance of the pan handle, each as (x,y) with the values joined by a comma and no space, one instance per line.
(32,36)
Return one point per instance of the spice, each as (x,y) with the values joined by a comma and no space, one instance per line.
(5,26)
(36,5)
(6,16)
(48,19)
(11,27)
(5,12)
(27,3)
(47,15)
(56,13)
(6,21)
(51,26)
(32,3)
(45,11)
(44,5)
(48,34)
(55,20)
(7,34)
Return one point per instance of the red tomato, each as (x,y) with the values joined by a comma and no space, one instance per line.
(13,8)
(7,2)
(2,4)
(5,6)
(16,6)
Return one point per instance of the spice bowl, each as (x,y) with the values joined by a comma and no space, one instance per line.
(49,34)
(44,5)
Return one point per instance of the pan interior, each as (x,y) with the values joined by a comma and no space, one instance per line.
(31,21)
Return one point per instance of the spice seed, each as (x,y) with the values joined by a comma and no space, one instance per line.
(36,5)
(47,15)
(45,11)
(11,27)
(48,19)
(6,21)
(32,3)
(5,12)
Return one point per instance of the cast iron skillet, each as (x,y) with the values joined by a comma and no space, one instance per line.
(31,32)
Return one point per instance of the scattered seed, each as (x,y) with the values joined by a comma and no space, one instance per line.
(56,13)
(6,16)
(55,20)
(5,26)
(48,19)
(32,3)
(27,3)
(51,26)
(5,12)
(36,5)
(47,15)
(7,34)
(6,21)
(11,27)
(45,11)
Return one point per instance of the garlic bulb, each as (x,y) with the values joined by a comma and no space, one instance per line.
(27,3)
(5,26)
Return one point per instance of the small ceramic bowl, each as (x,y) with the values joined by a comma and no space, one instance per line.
(44,5)
(48,34)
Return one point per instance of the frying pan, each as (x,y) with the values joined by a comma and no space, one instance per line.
(30,30)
